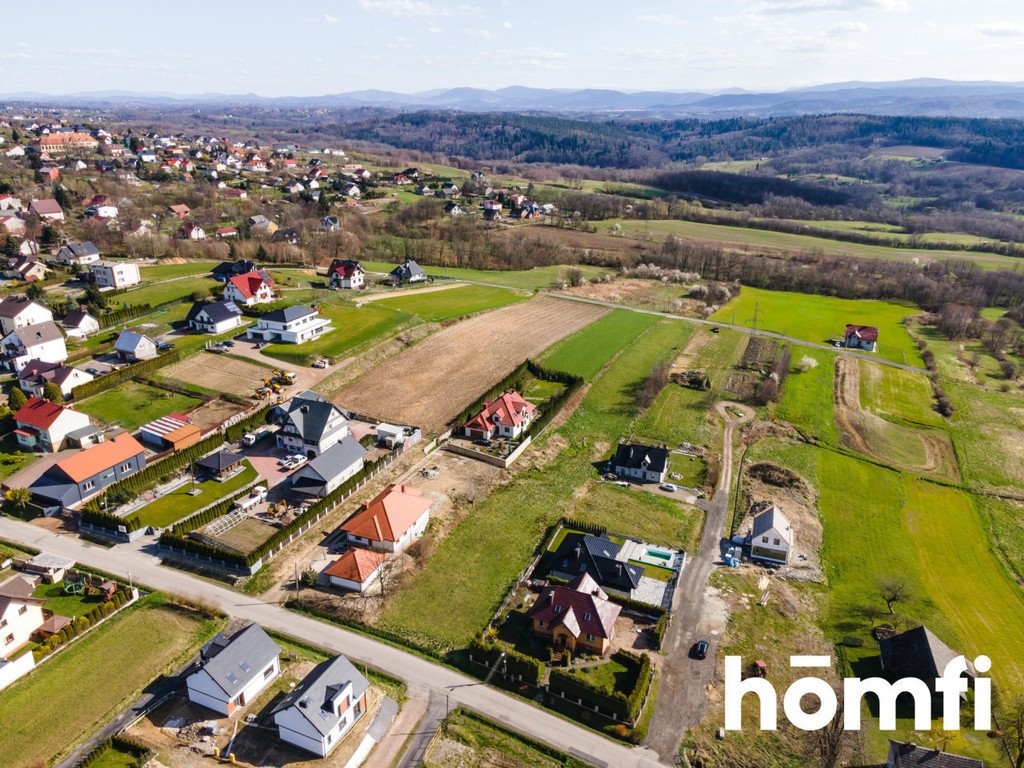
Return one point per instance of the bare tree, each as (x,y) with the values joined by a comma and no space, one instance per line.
(1012,732)
(893,589)
(829,746)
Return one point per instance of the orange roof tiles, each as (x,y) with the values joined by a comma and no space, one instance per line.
(389,515)
(356,565)
(107,454)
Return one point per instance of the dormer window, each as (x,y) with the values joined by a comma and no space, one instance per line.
(583,567)
(586,616)
(558,609)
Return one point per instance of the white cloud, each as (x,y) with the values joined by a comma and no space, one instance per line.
(1002,29)
(479,34)
(330,19)
(418,8)
(650,56)
(848,28)
(506,24)
(661,18)
(783,7)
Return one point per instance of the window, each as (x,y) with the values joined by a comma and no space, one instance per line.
(23,610)
(776,542)
(583,567)
(764,539)
(586,616)
(565,563)
(268,672)
(3,623)
(125,467)
(9,639)
(541,624)
(558,609)
(590,638)
(88,485)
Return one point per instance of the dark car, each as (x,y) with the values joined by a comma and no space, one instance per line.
(714,329)
(481,441)
(229,343)
(699,650)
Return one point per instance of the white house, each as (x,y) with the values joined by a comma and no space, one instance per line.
(45,426)
(21,616)
(78,254)
(324,474)
(235,670)
(214,317)
(33,378)
(291,325)
(356,570)
(643,462)
(19,310)
(42,341)
(771,537)
(310,424)
(347,274)
(318,714)
(79,324)
(115,274)
(508,415)
(250,288)
(131,347)
(393,520)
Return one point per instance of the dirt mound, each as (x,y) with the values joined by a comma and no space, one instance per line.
(780,477)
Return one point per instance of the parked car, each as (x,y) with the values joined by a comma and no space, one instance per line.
(700,650)
(284,460)
(94,371)
(621,483)
(321,363)
(714,329)
(670,487)
(228,343)
(297,461)
(481,441)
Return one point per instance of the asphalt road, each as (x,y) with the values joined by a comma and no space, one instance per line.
(682,694)
(439,680)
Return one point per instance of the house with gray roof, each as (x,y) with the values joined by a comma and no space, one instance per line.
(600,557)
(42,341)
(132,346)
(318,714)
(325,473)
(409,272)
(234,670)
(642,462)
(909,755)
(214,317)
(290,325)
(310,424)
(78,254)
(771,536)
(920,654)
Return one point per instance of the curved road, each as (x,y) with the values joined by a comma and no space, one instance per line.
(682,695)
(418,672)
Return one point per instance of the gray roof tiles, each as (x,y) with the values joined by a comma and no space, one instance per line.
(233,662)
(312,698)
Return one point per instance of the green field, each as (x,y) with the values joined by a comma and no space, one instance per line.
(807,397)
(763,238)
(645,516)
(585,352)
(178,503)
(156,272)
(483,744)
(159,293)
(475,564)
(63,604)
(898,395)
(353,326)
(130,405)
(527,279)
(451,302)
(820,318)
(72,694)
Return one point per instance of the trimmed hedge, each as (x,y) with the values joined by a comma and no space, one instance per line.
(124,314)
(622,705)
(81,624)
(235,432)
(208,515)
(140,753)
(101,519)
(531,669)
(659,632)
(112,379)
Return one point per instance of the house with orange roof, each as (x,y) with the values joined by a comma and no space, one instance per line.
(250,288)
(356,570)
(394,519)
(78,478)
(578,617)
(506,416)
(45,426)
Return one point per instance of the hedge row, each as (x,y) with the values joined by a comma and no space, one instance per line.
(235,432)
(659,632)
(208,515)
(140,753)
(622,705)
(112,379)
(81,624)
(514,380)
(102,519)
(123,315)
(516,664)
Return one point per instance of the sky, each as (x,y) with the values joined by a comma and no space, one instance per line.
(314,47)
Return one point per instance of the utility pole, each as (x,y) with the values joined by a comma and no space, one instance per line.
(298,584)
(757,307)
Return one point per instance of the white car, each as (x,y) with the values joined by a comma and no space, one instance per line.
(669,487)
(297,461)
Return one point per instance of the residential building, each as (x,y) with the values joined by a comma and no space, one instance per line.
(26,266)
(579,617)
(310,424)
(599,556)
(771,537)
(19,310)
(115,274)
(909,755)
(78,254)
(863,337)
(21,616)
(234,670)
(42,341)
(12,223)
(228,269)
(291,325)
(261,225)
(225,233)
(214,317)
(79,324)
(391,521)
(179,211)
(318,714)
(288,235)
(78,478)
(47,210)
(249,288)
(509,416)
(133,347)
(356,570)
(173,431)
(920,654)
(346,273)
(408,272)
(325,473)
(33,378)
(61,142)
(190,230)
(642,462)
(330,224)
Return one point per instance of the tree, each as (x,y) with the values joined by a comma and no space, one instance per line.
(828,747)
(261,255)
(35,292)
(1011,717)
(10,246)
(893,589)
(324,202)
(310,577)
(18,497)
(63,198)
(94,296)
(52,392)
(16,399)
(49,236)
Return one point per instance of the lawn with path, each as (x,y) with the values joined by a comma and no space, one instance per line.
(179,503)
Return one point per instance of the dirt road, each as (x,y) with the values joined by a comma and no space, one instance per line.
(682,695)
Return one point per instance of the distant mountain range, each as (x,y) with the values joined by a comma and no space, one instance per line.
(922,97)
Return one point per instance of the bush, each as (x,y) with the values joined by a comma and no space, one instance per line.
(659,632)
(112,379)
(518,665)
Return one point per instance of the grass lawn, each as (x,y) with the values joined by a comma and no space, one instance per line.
(114,757)
(488,746)
(474,566)
(987,428)
(529,279)
(588,350)
(11,458)
(158,293)
(807,396)
(168,271)
(645,516)
(692,470)
(178,503)
(898,395)
(819,318)
(353,326)
(64,604)
(132,404)
(452,302)
(610,676)
(69,696)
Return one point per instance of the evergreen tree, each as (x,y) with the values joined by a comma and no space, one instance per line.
(52,393)
(325,203)
(16,399)
(63,198)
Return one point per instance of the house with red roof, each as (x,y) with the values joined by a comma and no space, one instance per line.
(356,570)
(578,617)
(78,478)
(47,209)
(394,519)
(45,426)
(506,416)
(346,273)
(860,337)
(250,288)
